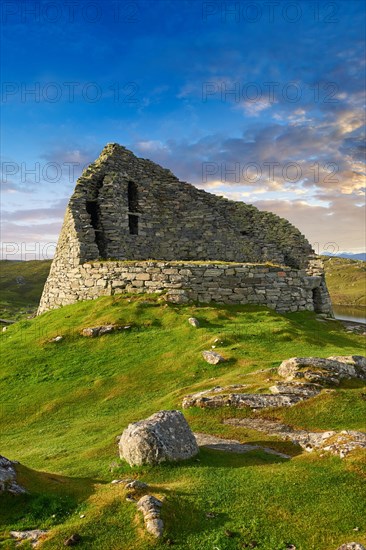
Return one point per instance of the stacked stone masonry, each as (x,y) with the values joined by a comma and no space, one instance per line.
(282,288)
(128,208)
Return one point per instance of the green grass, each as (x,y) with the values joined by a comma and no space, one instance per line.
(63,404)
(346,280)
(21,285)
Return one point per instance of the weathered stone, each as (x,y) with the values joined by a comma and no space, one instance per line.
(34,536)
(212,357)
(324,371)
(137,485)
(232,445)
(93,332)
(150,508)
(194,322)
(337,443)
(8,477)
(352,546)
(164,436)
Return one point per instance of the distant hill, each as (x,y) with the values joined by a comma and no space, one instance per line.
(349,255)
(21,285)
(346,280)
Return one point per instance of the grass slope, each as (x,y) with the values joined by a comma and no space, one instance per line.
(346,280)
(21,285)
(63,404)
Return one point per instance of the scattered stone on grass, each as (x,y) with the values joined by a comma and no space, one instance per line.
(73,540)
(164,436)
(8,477)
(57,339)
(34,536)
(337,443)
(232,445)
(352,546)
(323,371)
(150,508)
(194,322)
(137,485)
(212,357)
(93,332)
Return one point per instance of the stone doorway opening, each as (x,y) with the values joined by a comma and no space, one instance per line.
(317,300)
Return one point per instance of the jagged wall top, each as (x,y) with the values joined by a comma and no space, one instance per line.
(125,207)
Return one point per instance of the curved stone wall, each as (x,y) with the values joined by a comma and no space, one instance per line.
(282,288)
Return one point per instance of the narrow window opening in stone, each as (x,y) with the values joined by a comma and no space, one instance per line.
(244,233)
(133,202)
(133,224)
(317,300)
(92,207)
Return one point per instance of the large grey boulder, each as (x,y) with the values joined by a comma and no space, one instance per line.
(164,436)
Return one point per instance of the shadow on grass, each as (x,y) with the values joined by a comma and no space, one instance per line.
(49,500)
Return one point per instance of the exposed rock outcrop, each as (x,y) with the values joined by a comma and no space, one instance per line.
(8,477)
(337,443)
(281,396)
(323,371)
(232,445)
(164,436)
(34,536)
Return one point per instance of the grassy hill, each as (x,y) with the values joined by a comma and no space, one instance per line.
(346,280)
(21,285)
(63,404)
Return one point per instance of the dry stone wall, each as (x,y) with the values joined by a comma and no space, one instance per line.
(282,288)
(128,208)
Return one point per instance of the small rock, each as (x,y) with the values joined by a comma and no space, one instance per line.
(194,322)
(57,339)
(150,508)
(93,332)
(352,546)
(73,540)
(5,329)
(229,534)
(212,357)
(211,515)
(137,485)
(82,516)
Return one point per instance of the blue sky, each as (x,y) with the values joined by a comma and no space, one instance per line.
(260,101)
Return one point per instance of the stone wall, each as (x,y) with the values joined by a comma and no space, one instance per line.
(128,208)
(171,219)
(282,288)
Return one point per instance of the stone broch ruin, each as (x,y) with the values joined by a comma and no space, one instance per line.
(132,226)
